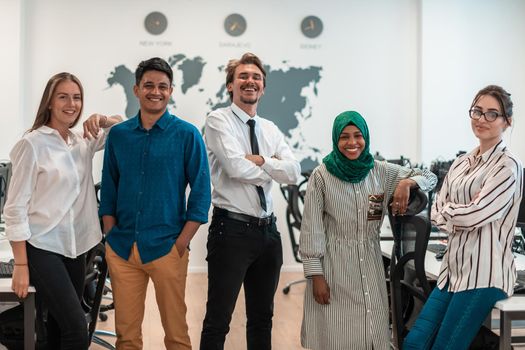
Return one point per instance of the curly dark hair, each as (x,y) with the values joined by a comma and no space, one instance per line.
(502,96)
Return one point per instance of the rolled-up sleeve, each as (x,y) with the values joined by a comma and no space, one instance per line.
(489,205)
(226,148)
(23,181)
(425,179)
(98,143)
(282,167)
(198,175)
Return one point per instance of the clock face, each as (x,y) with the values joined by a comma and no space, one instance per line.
(235,24)
(312,26)
(156,23)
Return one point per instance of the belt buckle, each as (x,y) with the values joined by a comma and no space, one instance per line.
(265,221)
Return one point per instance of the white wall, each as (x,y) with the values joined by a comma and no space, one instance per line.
(411,67)
(467,45)
(367,51)
(11,122)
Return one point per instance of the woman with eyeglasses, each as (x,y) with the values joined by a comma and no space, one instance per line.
(345,302)
(478,206)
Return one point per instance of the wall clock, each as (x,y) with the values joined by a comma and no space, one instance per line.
(235,24)
(156,23)
(312,27)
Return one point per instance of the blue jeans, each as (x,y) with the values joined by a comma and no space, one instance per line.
(451,320)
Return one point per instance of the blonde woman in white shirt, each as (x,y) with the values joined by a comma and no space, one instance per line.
(51,213)
(478,206)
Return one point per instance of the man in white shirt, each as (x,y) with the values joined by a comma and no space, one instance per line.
(246,153)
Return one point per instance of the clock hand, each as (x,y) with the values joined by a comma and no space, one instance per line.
(310,26)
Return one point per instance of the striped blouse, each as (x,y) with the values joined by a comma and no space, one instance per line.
(478,206)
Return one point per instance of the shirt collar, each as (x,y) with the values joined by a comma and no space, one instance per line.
(161,123)
(493,151)
(243,116)
(48,130)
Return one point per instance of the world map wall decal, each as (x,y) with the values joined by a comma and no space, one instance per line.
(284,102)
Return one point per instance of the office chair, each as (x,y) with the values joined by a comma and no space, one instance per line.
(408,281)
(294,195)
(107,288)
(94,285)
(111,306)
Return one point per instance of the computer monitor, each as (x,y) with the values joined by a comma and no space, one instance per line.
(521,213)
(5,177)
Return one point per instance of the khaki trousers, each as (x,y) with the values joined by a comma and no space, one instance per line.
(129,282)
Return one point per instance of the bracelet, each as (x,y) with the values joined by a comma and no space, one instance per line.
(20,264)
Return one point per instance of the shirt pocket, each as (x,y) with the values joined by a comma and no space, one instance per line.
(375,206)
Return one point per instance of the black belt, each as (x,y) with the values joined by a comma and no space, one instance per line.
(219,212)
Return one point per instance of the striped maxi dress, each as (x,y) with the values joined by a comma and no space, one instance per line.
(340,240)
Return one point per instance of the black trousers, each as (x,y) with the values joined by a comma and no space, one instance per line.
(59,284)
(241,253)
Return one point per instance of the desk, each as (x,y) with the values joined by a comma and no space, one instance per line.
(510,309)
(432,266)
(7,295)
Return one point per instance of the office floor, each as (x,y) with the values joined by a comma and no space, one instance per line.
(287,320)
(286,327)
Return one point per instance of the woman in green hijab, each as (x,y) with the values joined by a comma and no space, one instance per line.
(345,305)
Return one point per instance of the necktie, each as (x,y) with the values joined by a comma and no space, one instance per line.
(255,150)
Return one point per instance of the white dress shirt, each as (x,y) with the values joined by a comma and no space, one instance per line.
(51,199)
(478,206)
(234,177)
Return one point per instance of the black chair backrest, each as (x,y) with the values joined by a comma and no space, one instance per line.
(96,273)
(98,185)
(294,195)
(408,278)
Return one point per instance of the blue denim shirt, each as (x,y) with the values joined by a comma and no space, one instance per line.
(144,181)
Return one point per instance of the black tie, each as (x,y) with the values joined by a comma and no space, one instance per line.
(255,151)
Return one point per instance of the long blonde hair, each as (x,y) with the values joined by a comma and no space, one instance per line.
(44,114)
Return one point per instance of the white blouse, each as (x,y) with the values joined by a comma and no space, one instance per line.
(52,202)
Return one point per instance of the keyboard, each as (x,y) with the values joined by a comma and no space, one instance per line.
(436,247)
(521,276)
(6,268)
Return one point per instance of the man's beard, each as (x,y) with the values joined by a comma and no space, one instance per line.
(250,101)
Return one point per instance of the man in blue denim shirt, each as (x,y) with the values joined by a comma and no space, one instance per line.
(149,161)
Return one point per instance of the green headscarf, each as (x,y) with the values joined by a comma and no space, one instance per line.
(337,164)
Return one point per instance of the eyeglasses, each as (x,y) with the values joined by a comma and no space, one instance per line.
(490,116)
